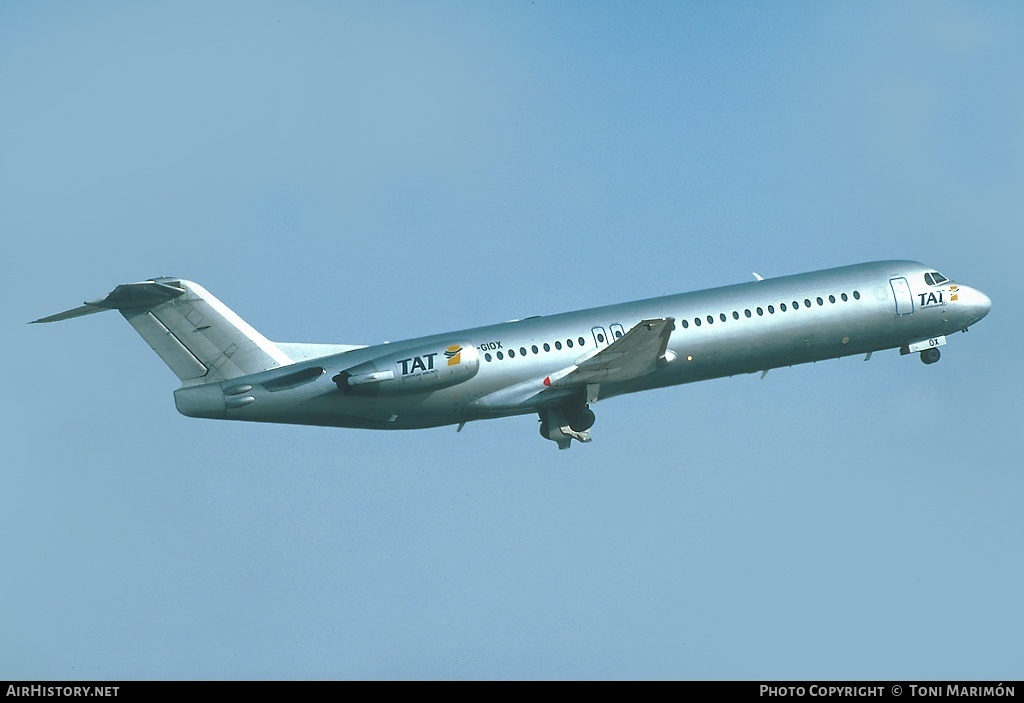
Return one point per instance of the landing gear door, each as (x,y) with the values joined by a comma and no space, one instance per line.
(600,338)
(904,300)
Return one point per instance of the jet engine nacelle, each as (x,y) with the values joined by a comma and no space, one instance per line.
(419,370)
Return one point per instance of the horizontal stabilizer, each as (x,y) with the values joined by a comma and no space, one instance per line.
(128,296)
(135,296)
(68,314)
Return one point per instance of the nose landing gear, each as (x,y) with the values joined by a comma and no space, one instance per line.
(929,348)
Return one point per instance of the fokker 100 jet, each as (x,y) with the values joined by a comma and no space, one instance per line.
(555,366)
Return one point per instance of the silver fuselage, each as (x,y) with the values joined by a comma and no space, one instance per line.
(742,328)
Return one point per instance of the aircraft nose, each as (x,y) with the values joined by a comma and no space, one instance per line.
(985,303)
(978,302)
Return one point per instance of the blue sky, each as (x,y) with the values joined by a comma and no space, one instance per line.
(365,172)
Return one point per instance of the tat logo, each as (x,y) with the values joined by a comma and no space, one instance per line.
(453,354)
(417,363)
(936,298)
(425,363)
(933,298)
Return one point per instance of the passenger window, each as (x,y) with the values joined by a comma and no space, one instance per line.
(820,301)
(856,295)
(511,353)
(522,350)
(760,311)
(547,347)
(500,356)
(845,297)
(534,349)
(696,321)
(558,345)
(735,315)
(807,302)
(600,338)
(796,305)
(771,309)
(568,343)
(686,323)
(831,299)
(721,316)
(582,341)
(747,312)
(487,357)
(782,307)
(711,320)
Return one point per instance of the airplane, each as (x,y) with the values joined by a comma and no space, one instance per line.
(556,366)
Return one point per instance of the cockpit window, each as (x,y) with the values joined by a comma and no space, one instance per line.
(929,280)
(934,278)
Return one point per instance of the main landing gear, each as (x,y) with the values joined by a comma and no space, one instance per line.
(563,424)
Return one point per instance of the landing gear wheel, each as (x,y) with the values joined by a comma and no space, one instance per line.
(582,419)
(930,356)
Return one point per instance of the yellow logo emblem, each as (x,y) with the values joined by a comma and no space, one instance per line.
(453,354)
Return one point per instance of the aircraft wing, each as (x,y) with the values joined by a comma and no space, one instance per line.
(636,353)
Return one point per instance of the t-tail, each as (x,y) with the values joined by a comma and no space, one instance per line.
(200,338)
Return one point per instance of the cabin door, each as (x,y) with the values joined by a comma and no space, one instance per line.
(904,300)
